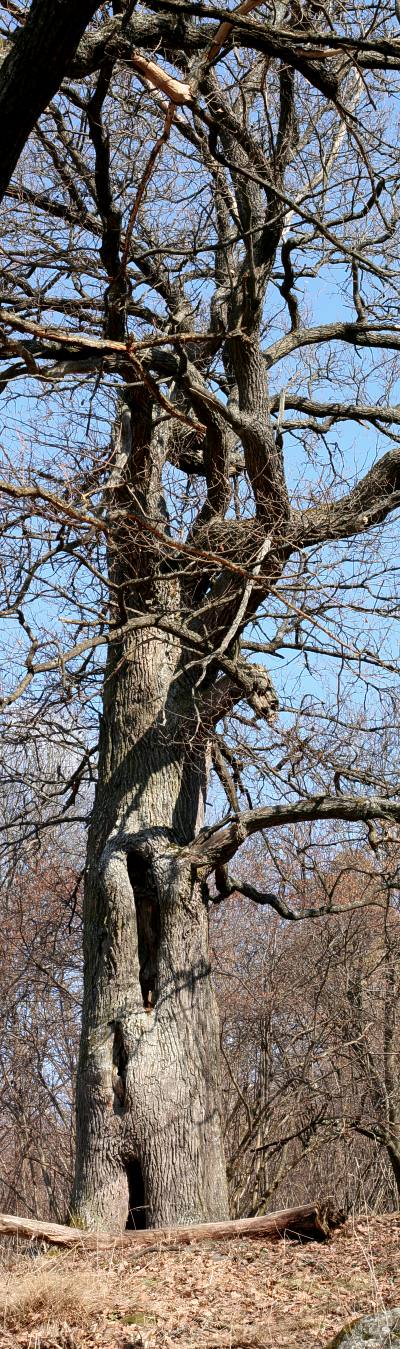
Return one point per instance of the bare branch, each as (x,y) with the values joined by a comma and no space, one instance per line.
(214,847)
(369,503)
(381,335)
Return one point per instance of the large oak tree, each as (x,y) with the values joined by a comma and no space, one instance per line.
(200,282)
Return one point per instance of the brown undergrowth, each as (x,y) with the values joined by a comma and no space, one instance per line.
(242,1294)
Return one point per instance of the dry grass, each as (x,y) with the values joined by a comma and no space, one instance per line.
(45,1291)
(225,1295)
(48,1294)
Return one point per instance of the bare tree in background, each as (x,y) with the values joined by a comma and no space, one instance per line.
(309,1027)
(199,322)
(40,1001)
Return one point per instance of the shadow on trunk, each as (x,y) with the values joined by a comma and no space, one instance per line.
(136,1220)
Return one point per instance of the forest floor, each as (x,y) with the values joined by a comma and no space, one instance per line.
(238,1294)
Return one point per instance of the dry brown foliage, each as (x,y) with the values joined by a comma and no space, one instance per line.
(237,1295)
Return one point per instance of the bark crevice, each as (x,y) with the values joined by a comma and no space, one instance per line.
(147,910)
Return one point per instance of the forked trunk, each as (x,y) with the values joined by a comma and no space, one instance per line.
(149,1145)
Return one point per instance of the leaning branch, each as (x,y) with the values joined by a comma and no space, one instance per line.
(102,347)
(380,335)
(228,885)
(177,91)
(369,502)
(214,847)
(357,412)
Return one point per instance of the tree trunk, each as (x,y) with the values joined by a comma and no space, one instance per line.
(149,1144)
(33,70)
(393,1151)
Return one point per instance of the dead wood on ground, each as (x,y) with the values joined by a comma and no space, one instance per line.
(310,1222)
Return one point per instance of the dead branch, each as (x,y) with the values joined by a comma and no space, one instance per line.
(310,1222)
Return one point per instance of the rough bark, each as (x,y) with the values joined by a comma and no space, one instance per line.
(149,1126)
(149,1137)
(33,70)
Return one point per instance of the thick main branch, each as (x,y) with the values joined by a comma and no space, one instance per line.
(368,503)
(216,846)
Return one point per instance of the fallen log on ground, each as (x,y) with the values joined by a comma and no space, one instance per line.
(311,1222)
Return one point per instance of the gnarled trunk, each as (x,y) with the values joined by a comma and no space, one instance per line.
(149,1145)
